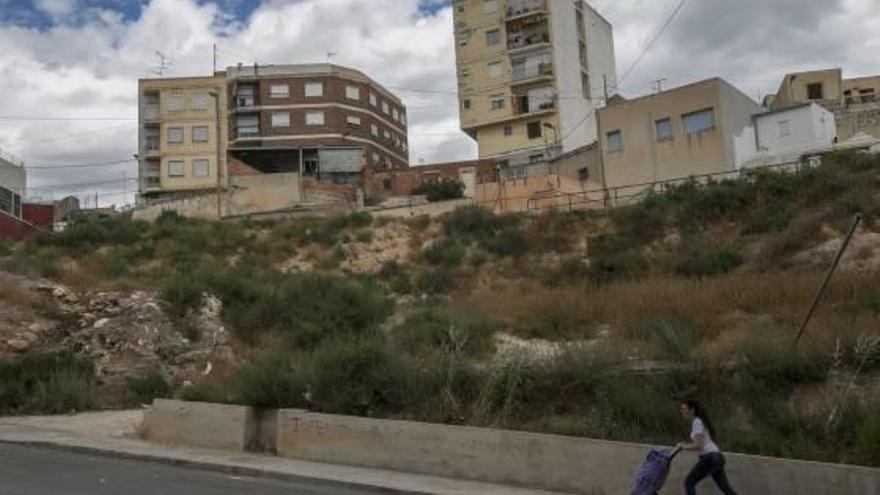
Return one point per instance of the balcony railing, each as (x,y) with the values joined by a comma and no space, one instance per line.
(532,105)
(152,182)
(524,72)
(248,132)
(515,41)
(151,112)
(152,144)
(517,8)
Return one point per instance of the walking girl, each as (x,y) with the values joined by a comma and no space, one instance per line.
(711,461)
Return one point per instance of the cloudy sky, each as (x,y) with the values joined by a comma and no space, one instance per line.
(69,68)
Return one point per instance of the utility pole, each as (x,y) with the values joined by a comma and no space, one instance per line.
(216,96)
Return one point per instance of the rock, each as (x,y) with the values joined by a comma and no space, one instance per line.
(18,345)
(101,323)
(59,292)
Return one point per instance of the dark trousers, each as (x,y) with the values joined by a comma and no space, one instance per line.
(708,465)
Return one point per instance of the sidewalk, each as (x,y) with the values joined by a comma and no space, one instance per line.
(114,434)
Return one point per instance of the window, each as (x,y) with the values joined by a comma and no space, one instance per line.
(314,89)
(395,114)
(387,162)
(175,168)
(585,86)
(534,130)
(200,168)
(508,130)
(664,129)
(279,91)
(376,158)
(494,69)
(385,108)
(466,104)
(353,121)
(245,96)
(815,91)
(615,142)
(374,100)
(176,102)
(493,37)
(387,135)
(784,128)
(387,184)
(353,92)
(175,135)
(280,119)
(374,129)
(248,126)
(314,118)
(200,134)
(403,118)
(497,102)
(490,6)
(198,101)
(584,174)
(698,121)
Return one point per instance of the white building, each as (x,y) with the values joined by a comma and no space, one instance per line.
(784,136)
(13,182)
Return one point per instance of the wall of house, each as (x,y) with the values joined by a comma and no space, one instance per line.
(602,66)
(403,182)
(793,89)
(14,229)
(12,176)
(858,119)
(861,90)
(40,215)
(808,128)
(736,111)
(571,106)
(644,158)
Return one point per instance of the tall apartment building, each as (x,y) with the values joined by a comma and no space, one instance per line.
(328,122)
(13,182)
(179,144)
(531,74)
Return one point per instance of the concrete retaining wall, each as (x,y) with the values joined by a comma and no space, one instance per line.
(541,461)
(199,424)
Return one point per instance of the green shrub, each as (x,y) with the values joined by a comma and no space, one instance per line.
(143,388)
(271,382)
(181,294)
(674,336)
(773,363)
(360,377)
(395,276)
(507,242)
(419,223)
(5,247)
(213,392)
(867,443)
(446,252)
(701,260)
(640,223)
(436,281)
(92,232)
(471,223)
(47,383)
(441,191)
(624,265)
(364,236)
(432,330)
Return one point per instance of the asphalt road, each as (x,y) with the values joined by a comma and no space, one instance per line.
(36,471)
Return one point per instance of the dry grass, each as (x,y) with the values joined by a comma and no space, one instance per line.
(18,297)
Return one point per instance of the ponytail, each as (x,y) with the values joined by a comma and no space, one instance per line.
(700,412)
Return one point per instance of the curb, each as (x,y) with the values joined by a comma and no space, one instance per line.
(215,467)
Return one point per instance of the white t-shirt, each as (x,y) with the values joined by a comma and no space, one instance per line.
(698,428)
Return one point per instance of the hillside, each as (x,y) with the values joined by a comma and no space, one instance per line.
(582,323)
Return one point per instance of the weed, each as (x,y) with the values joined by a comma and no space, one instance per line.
(395,275)
(419,223)
(507,242)
(216,393)
(145,387)
(364,236)
(49,383)
(181,294)
(676,337)
(446,252)
(700,260)
(436,281)
(621,266)
(271,382)
(432,330)
(440,191)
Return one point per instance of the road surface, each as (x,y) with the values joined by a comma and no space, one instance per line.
(36,471)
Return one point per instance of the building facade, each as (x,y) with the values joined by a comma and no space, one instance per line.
(327,121)
(855,102)
(701,128)
(180,148)
(13,183)
(531,74)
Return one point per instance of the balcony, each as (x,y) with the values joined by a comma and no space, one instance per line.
(248,132)
(517,9)
(152,145)
(519,41)
(527,73)
(523,105)
(151,113)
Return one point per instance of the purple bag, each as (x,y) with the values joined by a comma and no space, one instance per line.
(652,475)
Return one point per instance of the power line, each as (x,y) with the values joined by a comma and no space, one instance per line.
(78,165)
(78,134)
(81,185)
(59,118)
(651,43)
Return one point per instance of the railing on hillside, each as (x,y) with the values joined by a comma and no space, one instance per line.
(628,194)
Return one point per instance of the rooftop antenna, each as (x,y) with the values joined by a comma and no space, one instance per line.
(658,85)
(330,56)
(164,64)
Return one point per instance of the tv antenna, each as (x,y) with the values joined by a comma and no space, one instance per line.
(164,63)
(330,56)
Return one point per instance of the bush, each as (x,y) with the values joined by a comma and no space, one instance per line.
(395,275)
(471,223)
(507,242)
(271,382)
(441,191)
(446,252)
(624,265)
(46,383)
(364,236)
(142,389)
(419,223)
(674,336)
(867,444)
(359,377)
(436,281)
(432,330)
(701,260)
(88,233)
(181,294)
(216,393)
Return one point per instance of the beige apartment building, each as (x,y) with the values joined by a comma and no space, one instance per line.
(13,183)
(701,128)
(179,146)
(855,102)
(531,74)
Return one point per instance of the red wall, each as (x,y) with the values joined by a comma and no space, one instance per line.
(13,228)
(38,214)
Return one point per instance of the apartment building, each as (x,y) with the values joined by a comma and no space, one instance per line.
(179,146)
(531,74)
(855,102)
(13,183)
(701,128)
(330,122)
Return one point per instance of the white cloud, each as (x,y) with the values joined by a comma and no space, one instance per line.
(56,8)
